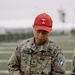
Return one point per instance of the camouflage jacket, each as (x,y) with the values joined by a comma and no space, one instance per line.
(30,59)
(73,66)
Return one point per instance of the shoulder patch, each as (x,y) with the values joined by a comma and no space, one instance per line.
(61,61)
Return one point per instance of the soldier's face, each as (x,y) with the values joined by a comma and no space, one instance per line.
(40,36)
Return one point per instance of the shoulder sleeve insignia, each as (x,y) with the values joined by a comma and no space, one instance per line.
(61,61)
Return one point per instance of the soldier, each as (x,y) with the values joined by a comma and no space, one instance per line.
(73,63)
(38,55)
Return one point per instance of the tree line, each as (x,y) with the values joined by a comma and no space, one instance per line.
(11,37)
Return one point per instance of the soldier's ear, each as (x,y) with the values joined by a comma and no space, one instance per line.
(33,26)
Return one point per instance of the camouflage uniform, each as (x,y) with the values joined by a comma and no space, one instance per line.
(73,66)
(32,59)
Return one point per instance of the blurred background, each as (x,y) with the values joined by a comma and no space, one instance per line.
(16,20)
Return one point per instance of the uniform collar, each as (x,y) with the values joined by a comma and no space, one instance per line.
(33,46)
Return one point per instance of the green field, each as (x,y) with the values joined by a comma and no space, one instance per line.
(66,43)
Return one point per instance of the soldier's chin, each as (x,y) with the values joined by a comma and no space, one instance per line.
(40,43)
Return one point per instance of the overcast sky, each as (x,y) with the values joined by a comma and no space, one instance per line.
(18,12)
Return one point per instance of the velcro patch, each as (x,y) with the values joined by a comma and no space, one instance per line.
(61,61)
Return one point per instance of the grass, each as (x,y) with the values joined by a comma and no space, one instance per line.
(68,67)
(3,66)
(4,56)
(68,55)
(65,42)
